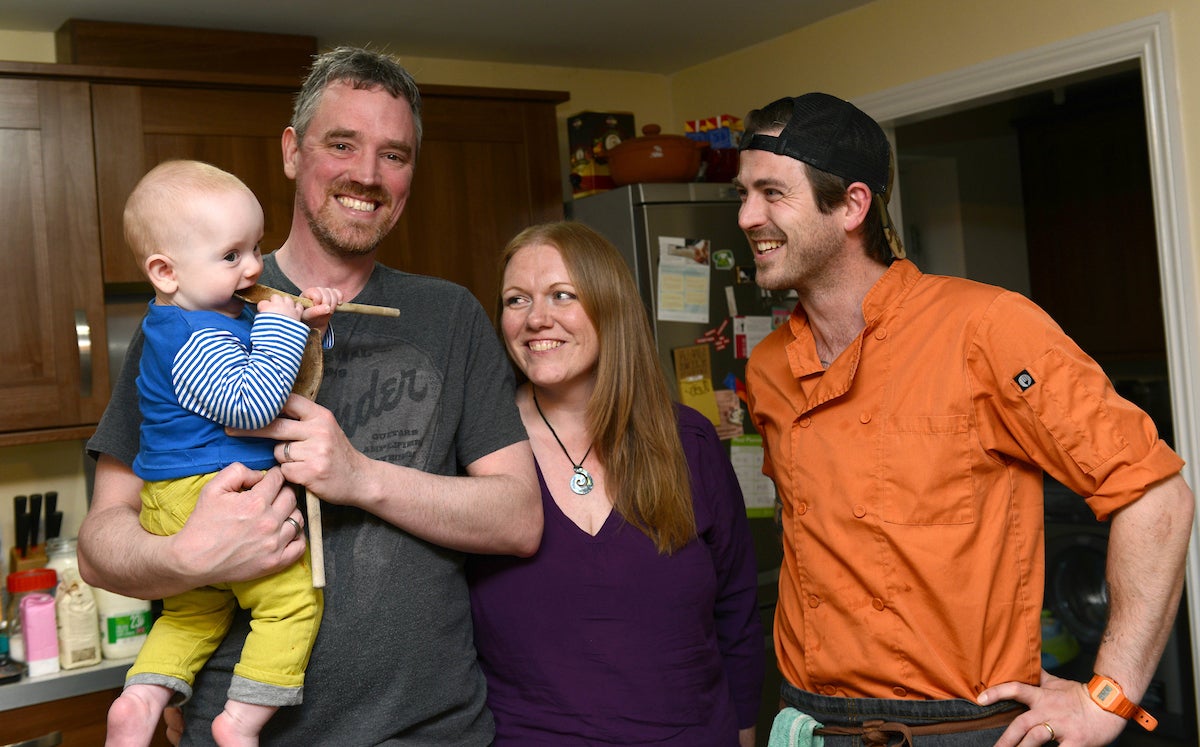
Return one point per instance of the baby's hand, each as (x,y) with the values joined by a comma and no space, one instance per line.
(282,305)
(324,301)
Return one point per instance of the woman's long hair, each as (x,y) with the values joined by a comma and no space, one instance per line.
(631,417)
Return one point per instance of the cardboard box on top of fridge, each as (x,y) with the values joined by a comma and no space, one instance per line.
(722,131)
(590,135)
(711,123)
(722,137)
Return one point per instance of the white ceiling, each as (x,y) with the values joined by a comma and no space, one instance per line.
(654,36)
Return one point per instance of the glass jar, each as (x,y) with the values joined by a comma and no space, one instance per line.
(60,557)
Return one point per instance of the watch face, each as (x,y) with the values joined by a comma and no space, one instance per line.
(1108,695)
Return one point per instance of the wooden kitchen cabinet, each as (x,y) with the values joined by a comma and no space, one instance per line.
(139,126)
(82,720)
(488,168)
(53,353)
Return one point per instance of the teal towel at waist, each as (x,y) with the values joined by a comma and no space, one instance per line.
(794,729)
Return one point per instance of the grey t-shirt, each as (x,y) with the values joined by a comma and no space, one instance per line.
(394,661)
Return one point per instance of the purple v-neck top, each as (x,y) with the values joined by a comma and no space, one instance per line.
(603,641)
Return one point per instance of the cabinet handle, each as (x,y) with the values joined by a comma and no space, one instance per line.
(83,335)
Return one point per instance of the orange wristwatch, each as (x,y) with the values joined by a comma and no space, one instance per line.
(1108,695)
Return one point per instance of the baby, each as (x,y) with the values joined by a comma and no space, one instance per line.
(209,362)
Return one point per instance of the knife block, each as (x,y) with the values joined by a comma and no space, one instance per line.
(35,557)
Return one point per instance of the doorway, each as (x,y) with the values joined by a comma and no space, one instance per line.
(1144,47)
(1048,193)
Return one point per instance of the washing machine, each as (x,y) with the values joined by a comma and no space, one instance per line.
(1076,596)
(1076,552)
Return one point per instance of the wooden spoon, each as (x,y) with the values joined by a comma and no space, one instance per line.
(256,293)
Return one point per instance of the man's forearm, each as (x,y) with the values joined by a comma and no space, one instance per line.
(238,531)
(119,555)
(1147,552)
(115,552)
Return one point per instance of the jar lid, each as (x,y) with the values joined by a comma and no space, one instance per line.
(36,579)
(60,544)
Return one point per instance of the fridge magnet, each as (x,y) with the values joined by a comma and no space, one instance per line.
(715,337)
(743,274)
(723,259)
(683,279)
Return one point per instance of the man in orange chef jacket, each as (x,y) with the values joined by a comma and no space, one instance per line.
(907,421)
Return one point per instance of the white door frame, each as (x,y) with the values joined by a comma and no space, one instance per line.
(1149,42)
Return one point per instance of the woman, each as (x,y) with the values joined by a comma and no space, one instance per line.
(636,622)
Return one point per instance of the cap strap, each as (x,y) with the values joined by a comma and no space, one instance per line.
(889,229)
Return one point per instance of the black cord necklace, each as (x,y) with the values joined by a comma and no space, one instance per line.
(581,481)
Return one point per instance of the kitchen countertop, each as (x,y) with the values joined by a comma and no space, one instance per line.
(67,683)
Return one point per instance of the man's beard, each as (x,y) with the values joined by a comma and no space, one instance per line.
(347,240)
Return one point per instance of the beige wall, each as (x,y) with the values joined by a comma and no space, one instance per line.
(25,46)
(891,42)
(38,469)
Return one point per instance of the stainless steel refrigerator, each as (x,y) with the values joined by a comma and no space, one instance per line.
(660,229)
(653,224)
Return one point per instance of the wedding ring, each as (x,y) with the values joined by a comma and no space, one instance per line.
(1050,729)
(293,522)
(287,451)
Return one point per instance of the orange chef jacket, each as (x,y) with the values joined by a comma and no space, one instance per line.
(910,474)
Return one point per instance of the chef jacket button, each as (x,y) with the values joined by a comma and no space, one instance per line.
(801,508)
(864,418)
(880,333)
(878,604)
(899,692)
(830,690)
(805,422)
(860,511)
(814,600)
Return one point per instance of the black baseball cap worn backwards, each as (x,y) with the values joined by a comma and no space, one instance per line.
(836,137)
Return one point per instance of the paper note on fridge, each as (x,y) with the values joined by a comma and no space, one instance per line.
(683,279)
(746,454)
(748,331)
(693,376)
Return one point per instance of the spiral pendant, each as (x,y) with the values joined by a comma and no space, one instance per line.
(581,482)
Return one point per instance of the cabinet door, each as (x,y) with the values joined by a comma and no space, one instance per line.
(53,353)
(138,127)
(81,720)
(487,169)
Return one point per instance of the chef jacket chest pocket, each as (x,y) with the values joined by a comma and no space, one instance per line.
(925,471)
